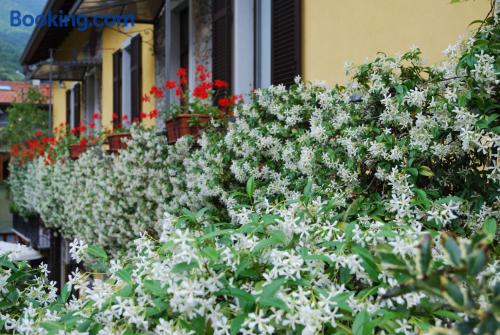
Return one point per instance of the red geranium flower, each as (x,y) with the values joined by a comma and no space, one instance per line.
(14,150)
(96,116)
(170,84)
(178,91)
(224,102)
(146,98)
(38,133)
(181,72)
(74,131)
(153,114)
(91,125)
(220,83)
(157,92)
(143,115)
(115,116)
(83,142)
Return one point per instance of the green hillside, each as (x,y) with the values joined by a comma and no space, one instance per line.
(14,39)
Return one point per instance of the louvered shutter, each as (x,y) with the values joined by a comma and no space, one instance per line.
(136,76)
(117,87)
(221,40)
(285,41)
(76,96)
(68,108)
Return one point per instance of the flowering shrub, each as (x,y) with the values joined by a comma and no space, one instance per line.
(369,208)
(199,100)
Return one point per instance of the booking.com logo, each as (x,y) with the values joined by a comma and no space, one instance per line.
(61,20)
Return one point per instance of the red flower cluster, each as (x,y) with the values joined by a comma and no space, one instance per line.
(33,148)
(156,92)
(221,83)
(201,91)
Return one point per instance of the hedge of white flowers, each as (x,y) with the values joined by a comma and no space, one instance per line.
(363,209)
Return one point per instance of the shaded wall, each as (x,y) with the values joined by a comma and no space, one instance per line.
(337,31)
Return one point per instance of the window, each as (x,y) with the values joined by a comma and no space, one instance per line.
(91,96)
(286,41)
(4,167)
(73,106)
(117,87)
(221,40)
(136,76)
(263,43)
(127,81)
(243,47)
(184,38)
(3,116)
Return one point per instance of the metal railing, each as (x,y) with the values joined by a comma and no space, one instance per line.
(32,231)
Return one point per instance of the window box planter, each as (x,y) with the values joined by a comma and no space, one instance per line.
(186,124)
(76,150)
(117,141)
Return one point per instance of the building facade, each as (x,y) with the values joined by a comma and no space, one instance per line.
(249,43)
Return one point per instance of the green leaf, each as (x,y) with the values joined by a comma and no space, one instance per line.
(425,255)
(425,171)
(490,228)
(97,251)
(277,237)
(65,293)
(190,216)
(447,314)
(270,289)
(250,186)
(452,249)
(245,298)
(126,291)
(52,326)
(422,198)
(237,322)
(184,266)
(125,276)
(477,262)
(362,324)
(306,197)
(273,302)
(211,254)
(308,188)
(154,287)
(453,293)
(368,262)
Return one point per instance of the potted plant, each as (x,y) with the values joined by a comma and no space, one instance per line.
(207,103)
(77,149)
(117,138)
(79,142)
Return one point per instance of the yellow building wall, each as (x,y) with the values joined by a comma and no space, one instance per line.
(70,48)
(59,102)
(339,31)
(112,40)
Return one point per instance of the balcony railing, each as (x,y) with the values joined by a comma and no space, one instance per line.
(32,231)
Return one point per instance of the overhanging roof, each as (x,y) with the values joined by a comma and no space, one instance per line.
(43,38)
(144,11)
(61,70)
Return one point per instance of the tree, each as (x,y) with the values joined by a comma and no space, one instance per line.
(25,117)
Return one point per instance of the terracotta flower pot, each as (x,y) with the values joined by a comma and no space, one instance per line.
(117,141)
(76,150)
(186,124)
